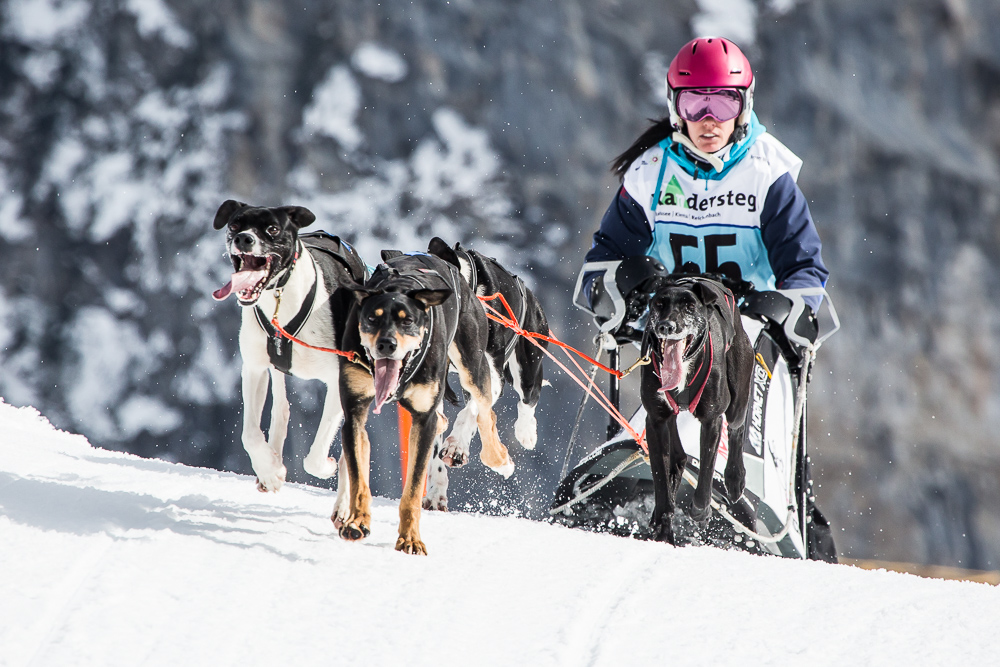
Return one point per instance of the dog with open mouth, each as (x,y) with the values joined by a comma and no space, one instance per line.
(702,361)
(414,317)
(300,279)
(511,357)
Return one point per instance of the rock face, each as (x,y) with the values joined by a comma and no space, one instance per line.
(124,125)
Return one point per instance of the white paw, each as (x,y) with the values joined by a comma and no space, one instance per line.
(453,452)
(506,470)
(322,468)
(340,512)
(271,481)
(435,501)
(526,431)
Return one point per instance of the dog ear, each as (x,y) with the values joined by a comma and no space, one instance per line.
(705,292)
(438,247)
(226,211)
(430,297)
(361,293)
(299,216)
(390,254)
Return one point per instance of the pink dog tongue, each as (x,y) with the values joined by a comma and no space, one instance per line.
(240,281)
(386,380)
(670,369)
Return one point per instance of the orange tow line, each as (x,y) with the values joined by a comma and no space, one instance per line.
(510,321)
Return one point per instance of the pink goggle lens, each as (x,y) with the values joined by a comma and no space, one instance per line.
(722,104)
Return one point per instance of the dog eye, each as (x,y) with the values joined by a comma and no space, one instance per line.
(273,231)
(234,228)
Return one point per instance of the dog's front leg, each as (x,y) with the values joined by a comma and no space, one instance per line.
(318,462)
(280,413)
(711,431)
(357,389)
(659,462)
(266,463)
(422,436)
(736,473)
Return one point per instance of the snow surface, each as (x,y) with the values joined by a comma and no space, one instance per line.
(109,559)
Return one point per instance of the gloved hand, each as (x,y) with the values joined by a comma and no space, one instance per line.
(808,326)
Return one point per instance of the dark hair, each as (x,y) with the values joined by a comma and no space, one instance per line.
(654,134)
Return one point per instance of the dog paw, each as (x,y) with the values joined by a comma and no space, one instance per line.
(271,483)
(503,466)
(411,545)
(526,432)
(700,515)
(354,530)
(437,502)
(323,468)
(504,469)
(663,531)
(339,516)
(453,453)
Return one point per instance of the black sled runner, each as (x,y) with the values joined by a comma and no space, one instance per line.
(611,489)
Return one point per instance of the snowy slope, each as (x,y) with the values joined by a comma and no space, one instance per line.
(109,559)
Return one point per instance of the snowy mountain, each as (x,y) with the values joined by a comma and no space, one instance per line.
(111,560)
(125,123)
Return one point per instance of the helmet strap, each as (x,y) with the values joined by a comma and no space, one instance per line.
(711,158)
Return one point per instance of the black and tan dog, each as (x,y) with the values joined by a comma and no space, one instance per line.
(702,362)
(414,317)
(273,264)
(511,357)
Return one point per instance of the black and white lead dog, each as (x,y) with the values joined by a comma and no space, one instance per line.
(298,279)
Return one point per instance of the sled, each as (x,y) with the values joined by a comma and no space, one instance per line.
(611,488)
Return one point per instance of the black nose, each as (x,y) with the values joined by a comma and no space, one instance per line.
(666,328)
(386,346)
(244,241)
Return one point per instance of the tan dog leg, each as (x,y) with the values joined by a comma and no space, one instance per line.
(426,429)
(494,454)
(357,450)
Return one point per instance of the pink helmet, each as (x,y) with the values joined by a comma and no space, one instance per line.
(711,62)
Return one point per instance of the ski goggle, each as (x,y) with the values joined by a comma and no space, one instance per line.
(722,104)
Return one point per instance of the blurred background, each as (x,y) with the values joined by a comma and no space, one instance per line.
(124,124)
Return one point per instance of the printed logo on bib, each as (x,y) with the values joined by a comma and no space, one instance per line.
(672,194)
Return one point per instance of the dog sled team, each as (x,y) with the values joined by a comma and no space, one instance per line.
(707,262)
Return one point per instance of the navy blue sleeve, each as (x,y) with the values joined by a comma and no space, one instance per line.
(791,239)
(624,231)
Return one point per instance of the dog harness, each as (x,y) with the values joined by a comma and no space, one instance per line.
(419,278)
(477,262)
(279,348)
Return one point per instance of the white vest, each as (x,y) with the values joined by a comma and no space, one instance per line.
(712,223)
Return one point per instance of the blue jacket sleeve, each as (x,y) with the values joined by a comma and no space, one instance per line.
(791,239)
(624,231)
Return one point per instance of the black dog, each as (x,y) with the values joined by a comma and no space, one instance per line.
(702,362)
(414,317)
(510,357)
(300,279)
